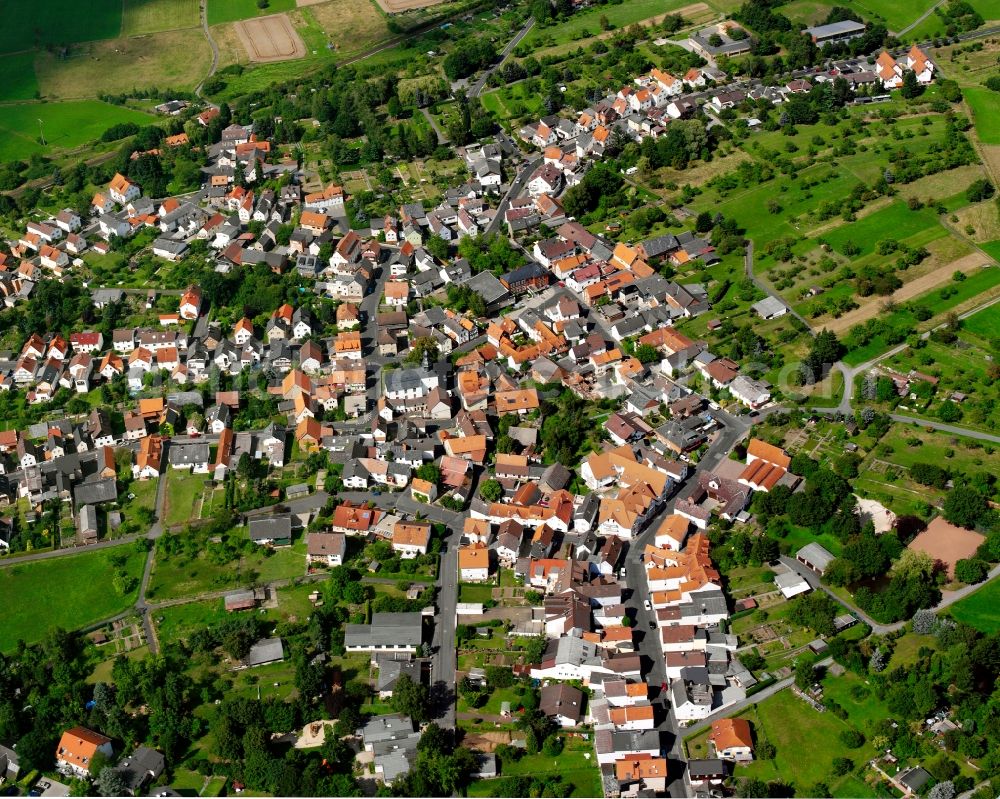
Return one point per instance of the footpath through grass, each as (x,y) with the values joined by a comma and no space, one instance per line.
(70,591)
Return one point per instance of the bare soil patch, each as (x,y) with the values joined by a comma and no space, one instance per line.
(914,288)
(271,38)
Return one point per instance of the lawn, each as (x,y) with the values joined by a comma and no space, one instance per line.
(65,125)
(895,221)
(806,742)
(19,77)
(572,765)
(151,16)
(184,490)
(69,591)
(985,105)
(178,576)
(511,101)
(986,323)
(979,609)
(475,592)
(176,59)
(220,11)
(749,580)
(56,22)
(896,15)
(907,648)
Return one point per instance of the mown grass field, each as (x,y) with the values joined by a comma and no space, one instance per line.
(220,11)
(69,591)
(986,323)
(28,25)
(19,81)
(151,16)
(896,15)
(177,59)
(184,490)
(806,742)
(66,125)
(512,101)
(979,609)
(985,104)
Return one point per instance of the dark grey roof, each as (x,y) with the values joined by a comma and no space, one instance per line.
(529,271)
(188,453)
(266,650)
(278,528)
(93,492)
(486,285)
(142,765)
(659,245)
(386,629)
(916,778)
(706,768)
(845,28)
(390,671)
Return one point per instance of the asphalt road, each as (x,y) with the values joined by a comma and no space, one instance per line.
(734,428)
(523,176)
(477,88)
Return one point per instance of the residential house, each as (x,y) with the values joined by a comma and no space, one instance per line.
(76,751)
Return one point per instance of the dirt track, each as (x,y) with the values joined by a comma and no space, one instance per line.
(914,288)
(398,6)
(270,38)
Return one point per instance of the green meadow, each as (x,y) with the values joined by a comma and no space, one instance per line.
(220,11)
(19,81)
(57,22)
(985,105)
(64,125)
(69,591)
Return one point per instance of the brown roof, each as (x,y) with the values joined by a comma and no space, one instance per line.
(417,534)
(325,544)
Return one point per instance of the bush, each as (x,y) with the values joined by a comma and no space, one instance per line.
(971,570)
(842,766)
(852,739)
(979,190)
